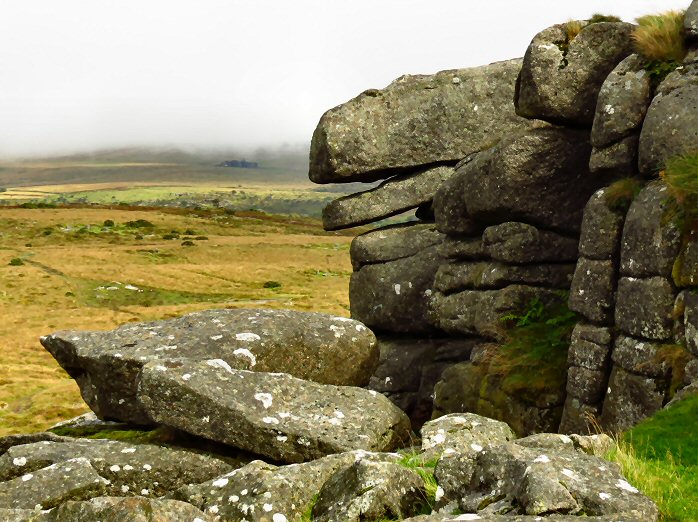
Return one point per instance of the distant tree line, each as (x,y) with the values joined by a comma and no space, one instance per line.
(240,164)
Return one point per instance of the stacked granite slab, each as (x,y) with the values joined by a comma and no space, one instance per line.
(592,296)
(497,157)
(636,293)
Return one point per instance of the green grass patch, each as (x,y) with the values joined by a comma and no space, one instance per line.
(659,456)
(681,176)
(113,294)
(534,359)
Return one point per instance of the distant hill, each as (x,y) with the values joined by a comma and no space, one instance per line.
(280,166)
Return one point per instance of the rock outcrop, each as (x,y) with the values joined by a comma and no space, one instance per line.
(530,216)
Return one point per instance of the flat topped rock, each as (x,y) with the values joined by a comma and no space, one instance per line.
(270,414)
(391,197)
(73,479)
(132,469)
(393,242)
(313,346)
(416,121)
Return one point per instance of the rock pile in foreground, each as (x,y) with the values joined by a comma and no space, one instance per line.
(466,464)
(236,444)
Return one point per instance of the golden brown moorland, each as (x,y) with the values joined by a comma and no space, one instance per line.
(96,268)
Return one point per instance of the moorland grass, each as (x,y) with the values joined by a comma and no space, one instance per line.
(659,456)
(58,286)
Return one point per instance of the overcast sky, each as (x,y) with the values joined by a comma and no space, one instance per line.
(83,74)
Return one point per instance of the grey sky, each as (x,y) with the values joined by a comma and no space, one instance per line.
(81,74)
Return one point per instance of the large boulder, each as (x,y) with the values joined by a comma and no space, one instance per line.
(540,177)
(318,347)
(517,479)
(474,387)
(393,196)
(270,414)
(415,121)
(263,492)
(382,295)
(456,439)
(74,479)
(392,242)
(671,124)
(561,77)
(622,102)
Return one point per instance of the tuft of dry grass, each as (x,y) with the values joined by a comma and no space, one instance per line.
(573,28)
(660,37)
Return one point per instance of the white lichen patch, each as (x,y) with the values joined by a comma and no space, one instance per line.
(128,450)
(244,352)
(568,473)
(145,492)
(220,483)
(128,467)
(220,363)
(264,398)
(186,376)
(147,467)
(624,485)
(270,420)
(278,517)
(544,459)
(247,337)
(115,468)
(338,330)
(604,496)
(216,337)
(19,461)
(397,288)
(267,507)
(27,477)
(476,447)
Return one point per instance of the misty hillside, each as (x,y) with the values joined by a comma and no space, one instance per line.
(285,165)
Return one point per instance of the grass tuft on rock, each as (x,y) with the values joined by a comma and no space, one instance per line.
(659,456)
(598,18)
(659,40)
(681,175)
(620,194)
